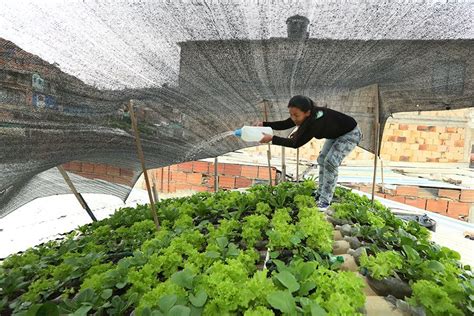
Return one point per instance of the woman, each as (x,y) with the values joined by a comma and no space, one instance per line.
(340,130)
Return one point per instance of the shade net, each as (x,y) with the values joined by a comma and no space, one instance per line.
(196,70)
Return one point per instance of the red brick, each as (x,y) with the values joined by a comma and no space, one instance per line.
(75,166)
(227,182)
(263,173)
(467,196)
(186,166)
(113,171)
(403,127)
(438,206)
(459,143)
(194,178)
(451,130)
(100,169)
(432,159)
(458,209)
(404,158)
(401,139)
(431,128)
(396,198)
(422,128)
(183,186)
(242,182)
(179,177)
(416,202)
(126,172)
(201,166)
(450,194)
(200,188)
(407,190)
(172,167)
(220,168)
(232,169)
(250,172)
(87,167)
(170,188)
(392,138)
(423,147)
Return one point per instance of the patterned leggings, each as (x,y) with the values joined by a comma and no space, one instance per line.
(330,158)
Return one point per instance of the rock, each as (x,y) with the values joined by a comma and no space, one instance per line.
(390,286)
(337,221)
(349,263)
(356,253)
(337,235)
(377,305)
(340,247)
(346,230)
(353,242)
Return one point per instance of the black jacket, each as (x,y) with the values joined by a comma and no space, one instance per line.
(331,125)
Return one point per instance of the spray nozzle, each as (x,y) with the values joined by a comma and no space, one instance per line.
(238,132)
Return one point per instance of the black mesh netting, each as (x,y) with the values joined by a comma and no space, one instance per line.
(197,69)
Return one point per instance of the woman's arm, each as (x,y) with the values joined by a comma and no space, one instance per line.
(280,125)
(292,142)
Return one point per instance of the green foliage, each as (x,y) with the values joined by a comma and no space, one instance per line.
(282,233)
(253,227)
(340,293)
(195,264)
(383,264)
(316,229)
(433,298)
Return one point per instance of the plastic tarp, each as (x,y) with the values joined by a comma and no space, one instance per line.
(198,69)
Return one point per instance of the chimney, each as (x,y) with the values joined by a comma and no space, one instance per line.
(297,27)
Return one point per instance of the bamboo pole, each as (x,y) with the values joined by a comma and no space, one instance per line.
(216,177)
(376,141)
(269,152)
(297,164)
(76,193)
(381,173)
(142,161)
(283,164)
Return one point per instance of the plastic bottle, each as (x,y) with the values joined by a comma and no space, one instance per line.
(252,133)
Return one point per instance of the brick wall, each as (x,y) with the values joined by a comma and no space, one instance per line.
(100,171)
(199,176)
(449,202)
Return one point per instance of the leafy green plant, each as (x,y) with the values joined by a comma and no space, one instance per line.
(383,264)
(433,298)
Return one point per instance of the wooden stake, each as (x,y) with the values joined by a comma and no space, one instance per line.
(142,161)
(269,151)
(376,141)
(283,164)
(297,164)
(76,193)
(216,177)
(381,173)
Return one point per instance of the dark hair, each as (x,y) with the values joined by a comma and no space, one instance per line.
(301,102)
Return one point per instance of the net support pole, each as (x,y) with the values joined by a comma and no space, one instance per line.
(216,176)
(142,161)
(297,164)
(376,139)
(283,164)
(269,151)
(76,193)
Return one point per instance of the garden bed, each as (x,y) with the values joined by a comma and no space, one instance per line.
(264,252)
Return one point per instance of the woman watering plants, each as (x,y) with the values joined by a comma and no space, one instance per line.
(340,131)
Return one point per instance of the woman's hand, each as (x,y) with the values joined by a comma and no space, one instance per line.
(257,123)
(266,138)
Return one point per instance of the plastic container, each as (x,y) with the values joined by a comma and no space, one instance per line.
(252,133)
